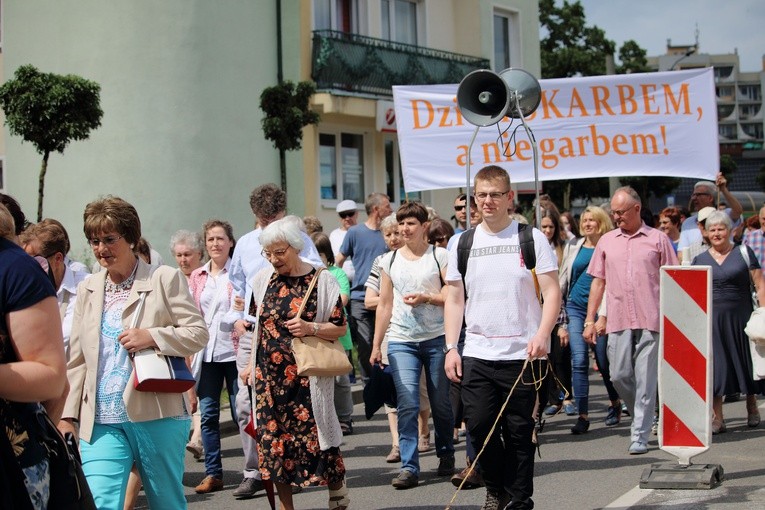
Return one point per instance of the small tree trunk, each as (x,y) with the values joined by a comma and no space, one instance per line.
(283,168)
(41,186)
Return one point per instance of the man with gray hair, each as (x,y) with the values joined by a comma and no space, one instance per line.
(625,269)
(268,203)
(704,194)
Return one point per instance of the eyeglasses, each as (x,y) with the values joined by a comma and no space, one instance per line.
(346,214)
(617,212)
(494,195)
(276,253)
(439,239)
(459,208)
(695,194)
(108,241)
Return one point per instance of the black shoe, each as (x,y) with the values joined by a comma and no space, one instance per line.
(581,426)
(248,488)
(405,480)
(496,500)
(347,427)
(445,466)
(614,415)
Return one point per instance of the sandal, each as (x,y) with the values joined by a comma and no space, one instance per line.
(338,499)
(424,444)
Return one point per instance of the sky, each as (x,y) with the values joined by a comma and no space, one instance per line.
(724,26)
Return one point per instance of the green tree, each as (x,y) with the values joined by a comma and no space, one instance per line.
(647,186)
(632,58)
(728,167)
(761,178)
(49,111)
(569,47)
(286,114)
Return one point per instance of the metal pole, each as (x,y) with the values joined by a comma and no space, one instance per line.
(530,134)
(467,177)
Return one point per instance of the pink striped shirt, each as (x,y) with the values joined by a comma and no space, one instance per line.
(630,266)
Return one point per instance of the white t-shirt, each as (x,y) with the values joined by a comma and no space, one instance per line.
(502,312)
(336,240)
(415,323)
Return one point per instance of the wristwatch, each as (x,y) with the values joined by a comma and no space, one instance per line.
(449,347)
(315,328)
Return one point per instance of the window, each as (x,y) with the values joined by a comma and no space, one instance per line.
(506,40)
(750,92)
(399,21)
(394,178)
(725,92)
(340,15)
(728,131)
(753,130)
(341,166)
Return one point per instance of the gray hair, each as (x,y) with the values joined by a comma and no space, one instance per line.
(718,218)
(283,230)
(191,239)
(629,191)
(712,187)
(388,222)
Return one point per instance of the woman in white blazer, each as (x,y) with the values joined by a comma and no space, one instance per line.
(575,289)
(119,425)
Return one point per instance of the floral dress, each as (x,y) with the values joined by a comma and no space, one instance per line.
(288,444)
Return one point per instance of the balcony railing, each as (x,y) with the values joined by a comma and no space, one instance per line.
(355,63)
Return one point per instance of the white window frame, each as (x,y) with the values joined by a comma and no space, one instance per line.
(419,36)
(358,16)
(513,41)
(365,162)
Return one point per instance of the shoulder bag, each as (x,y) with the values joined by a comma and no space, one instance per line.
(317,356)
(158,372)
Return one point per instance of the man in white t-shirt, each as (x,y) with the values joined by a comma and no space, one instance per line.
(505,326)
(348,212)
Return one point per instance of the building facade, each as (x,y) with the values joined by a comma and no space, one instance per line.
(181,80)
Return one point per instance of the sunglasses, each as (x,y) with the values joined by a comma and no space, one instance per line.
(459,207)
(346,214)
(439,239)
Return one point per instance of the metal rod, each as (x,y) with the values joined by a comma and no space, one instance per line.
(467,178)
(530,134)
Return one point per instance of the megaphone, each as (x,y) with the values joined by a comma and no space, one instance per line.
(485,97)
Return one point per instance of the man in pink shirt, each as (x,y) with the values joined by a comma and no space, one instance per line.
(629,258)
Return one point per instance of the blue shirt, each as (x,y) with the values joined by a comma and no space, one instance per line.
(580,289)
(247,261)
(23,282)
(363,245)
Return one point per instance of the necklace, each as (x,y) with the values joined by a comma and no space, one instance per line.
(718,255)
(113,288)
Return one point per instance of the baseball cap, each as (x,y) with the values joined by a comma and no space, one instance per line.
(704,213)
(346,205)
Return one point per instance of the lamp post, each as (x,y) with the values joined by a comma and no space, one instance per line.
(690,51)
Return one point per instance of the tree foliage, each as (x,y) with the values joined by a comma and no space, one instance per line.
(632,58)
(49,111)
(728,167)
(287,113)
(761,178)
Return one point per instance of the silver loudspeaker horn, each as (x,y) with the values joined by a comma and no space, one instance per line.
(483,98)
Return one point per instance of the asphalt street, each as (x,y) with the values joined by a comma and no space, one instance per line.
(590,471)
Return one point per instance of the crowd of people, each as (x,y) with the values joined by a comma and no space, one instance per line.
(459,309)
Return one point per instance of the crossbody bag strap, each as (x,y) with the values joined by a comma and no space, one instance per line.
(308,292)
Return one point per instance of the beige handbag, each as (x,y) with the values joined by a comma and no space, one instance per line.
(317,356)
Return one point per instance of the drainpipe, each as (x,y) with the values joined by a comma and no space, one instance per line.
(280,80)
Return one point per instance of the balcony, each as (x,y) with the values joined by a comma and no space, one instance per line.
(360,64)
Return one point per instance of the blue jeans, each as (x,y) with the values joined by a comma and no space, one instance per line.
(211,381)
(407,360)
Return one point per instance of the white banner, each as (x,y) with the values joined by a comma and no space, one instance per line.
(662,124)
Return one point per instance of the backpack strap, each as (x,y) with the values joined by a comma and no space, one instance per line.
(440,278)
(526,238)
(464,244)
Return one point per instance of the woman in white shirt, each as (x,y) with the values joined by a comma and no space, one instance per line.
(216,363)
(410,311)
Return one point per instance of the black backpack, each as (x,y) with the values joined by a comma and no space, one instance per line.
(526,237)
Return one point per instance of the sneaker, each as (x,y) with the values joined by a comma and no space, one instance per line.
(625,411)
(394,455)
(445,466)
(248,488)
(655,426)
(570,409)
(209,484)
(638,448)
(496,500)
(405,480)
(614,416)
(196,449)
(581,426)
(552,410)
(472,481)
(346,427)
